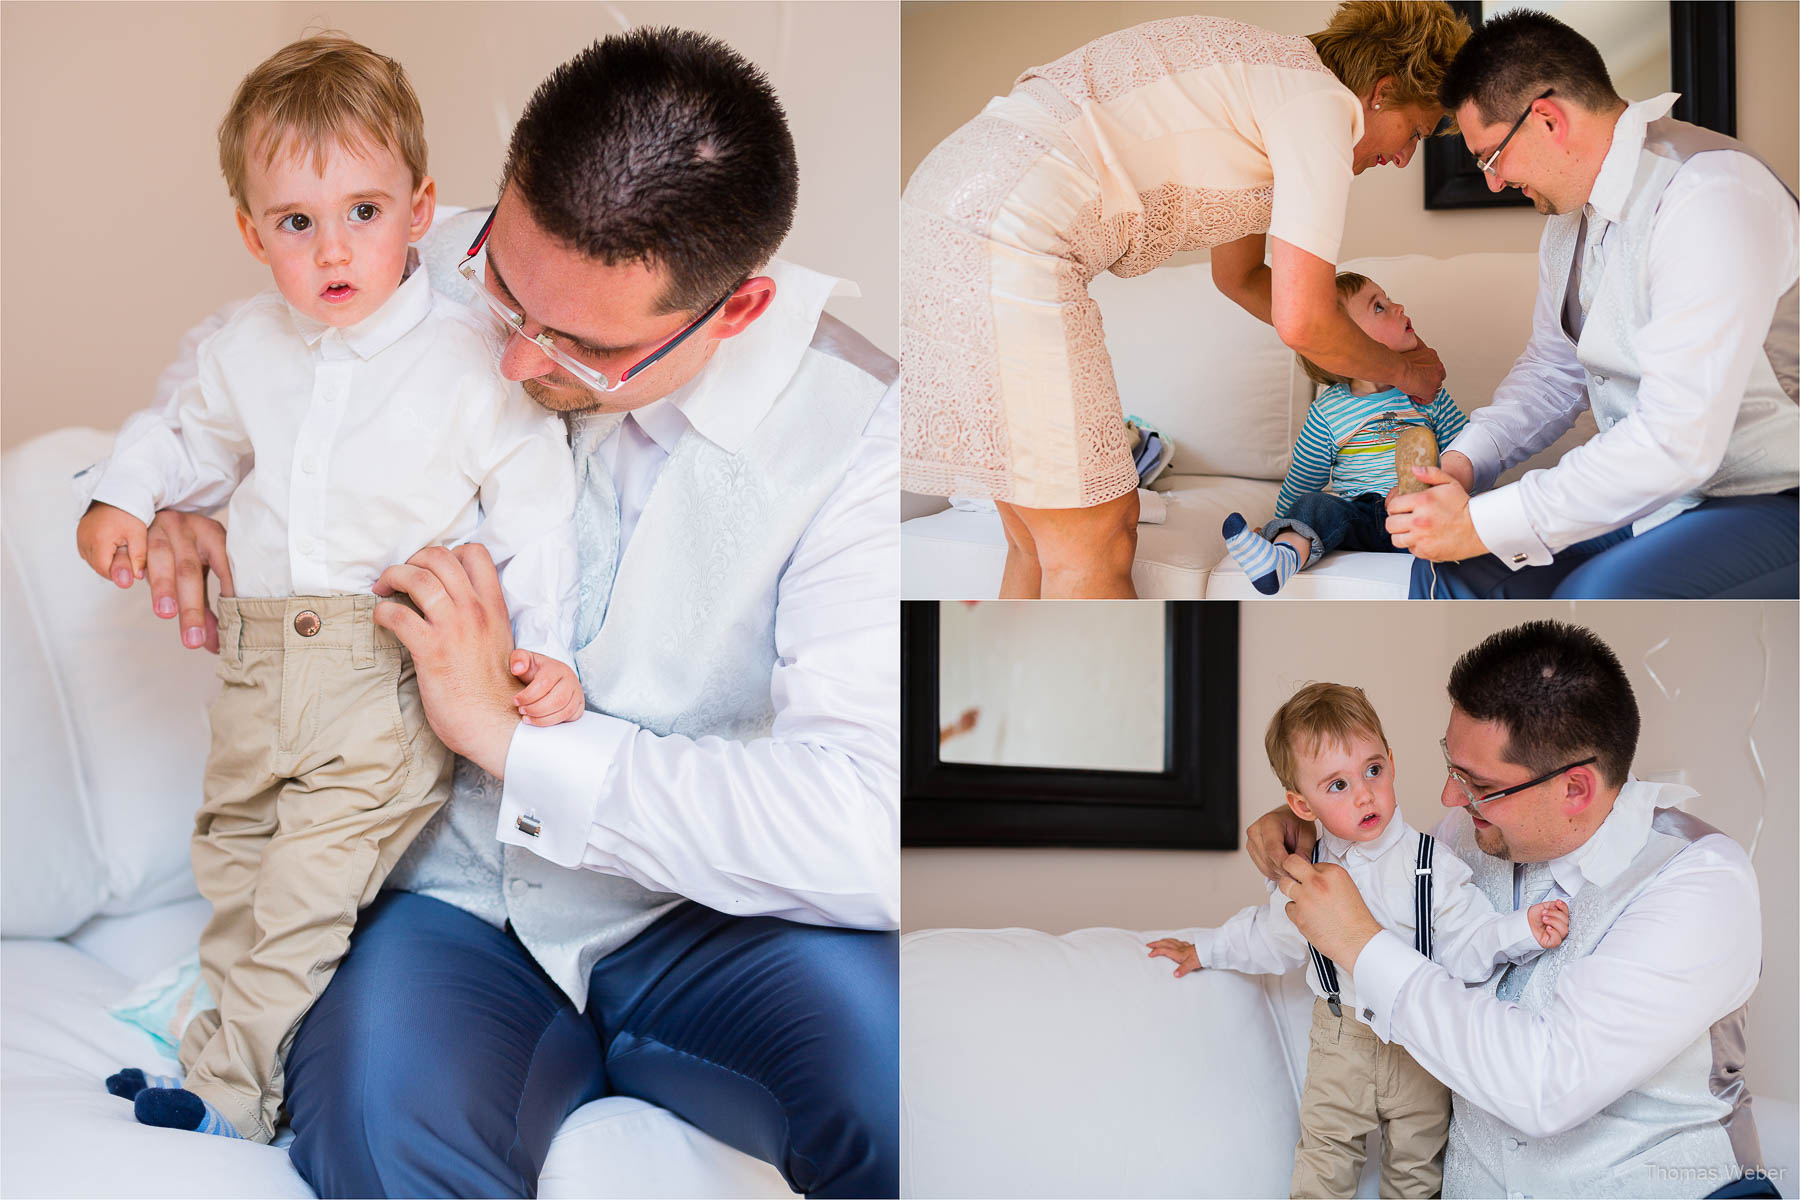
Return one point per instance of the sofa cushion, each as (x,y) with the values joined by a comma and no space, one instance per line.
(137,699)
(1203,371)
(1340,575)
(1038,1065)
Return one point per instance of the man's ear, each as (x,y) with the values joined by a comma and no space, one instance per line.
(750,301)
(424,207)
(1581,787)
(1301,808)
(252,239)
(1555,119)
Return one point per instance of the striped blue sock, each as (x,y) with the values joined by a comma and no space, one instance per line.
(177,1108)
(1269,565)
(132,1080)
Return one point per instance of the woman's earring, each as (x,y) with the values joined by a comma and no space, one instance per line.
(1378,108)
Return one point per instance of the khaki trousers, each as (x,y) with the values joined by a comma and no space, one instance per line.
(322,770)
(1355,1082)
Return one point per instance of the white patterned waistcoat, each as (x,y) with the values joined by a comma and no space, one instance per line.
(1686,1124)
(1763,452)
(686,631)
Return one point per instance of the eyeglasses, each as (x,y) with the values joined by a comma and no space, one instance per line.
(588,376)
(1468,790)
(1488,165)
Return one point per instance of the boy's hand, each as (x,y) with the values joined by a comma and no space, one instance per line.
(113,542)
(1186,957)
(552,694)
(1549,923)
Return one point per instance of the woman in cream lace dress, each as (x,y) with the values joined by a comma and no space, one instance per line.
(1175,135)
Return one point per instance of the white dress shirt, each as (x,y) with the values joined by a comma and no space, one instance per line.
(1684,953)
(341,451)
(802,824)
(1724,247)
(1468,936)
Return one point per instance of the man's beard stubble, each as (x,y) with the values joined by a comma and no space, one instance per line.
(1492,842)
(569,399)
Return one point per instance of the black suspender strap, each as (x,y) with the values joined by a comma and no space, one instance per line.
(1327,970)
(1422,896)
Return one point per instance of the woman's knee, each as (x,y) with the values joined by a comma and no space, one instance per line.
(1102,538)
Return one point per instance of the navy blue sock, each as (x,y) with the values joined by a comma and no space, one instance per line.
(132,1080)
(178,1108)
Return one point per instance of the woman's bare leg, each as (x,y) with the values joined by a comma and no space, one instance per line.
(1023,578)
(1085,553)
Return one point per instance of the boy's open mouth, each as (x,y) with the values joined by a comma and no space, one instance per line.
(1368,821)
(337,293)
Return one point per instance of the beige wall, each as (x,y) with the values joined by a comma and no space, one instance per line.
(957,55)
(1713,667)
(116,232)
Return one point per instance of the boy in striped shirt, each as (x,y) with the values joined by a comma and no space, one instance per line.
(1335,493)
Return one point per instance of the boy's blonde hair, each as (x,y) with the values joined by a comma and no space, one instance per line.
(1316,714)
(320,92)
(1348,284)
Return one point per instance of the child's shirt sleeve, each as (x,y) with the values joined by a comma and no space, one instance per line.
(519,458)
(1446,419)
(1469,937)
(1260,940)
(1310,468)
(189,454)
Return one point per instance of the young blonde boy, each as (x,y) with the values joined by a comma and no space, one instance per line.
(349,418)
(1327,747)
(1335,493)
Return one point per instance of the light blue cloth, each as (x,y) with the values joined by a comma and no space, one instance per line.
(163,1005)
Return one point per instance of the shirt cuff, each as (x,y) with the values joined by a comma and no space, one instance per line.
(1204,940)
(1500,521)
(1483,452)
(1521,943)
(1382,969)
(119,490)
(555,776)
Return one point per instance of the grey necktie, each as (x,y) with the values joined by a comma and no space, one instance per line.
(1535,883)
(596,521)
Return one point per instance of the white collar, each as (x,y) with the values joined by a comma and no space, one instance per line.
(397,316)
(1341,848)
(1610,848)
(1618,170)
(738,386)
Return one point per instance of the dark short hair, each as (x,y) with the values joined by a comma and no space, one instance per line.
(663,147)
(1558,691)
(1511,60)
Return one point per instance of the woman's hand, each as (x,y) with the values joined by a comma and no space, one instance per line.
(1186,957)
(1422,374)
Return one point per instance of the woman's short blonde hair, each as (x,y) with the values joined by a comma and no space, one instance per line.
(1316,714)
(1348,284)
(317,93)
(1411,40)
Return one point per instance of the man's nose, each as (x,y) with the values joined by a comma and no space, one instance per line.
(1453,795)
(1494,182)
(524,359)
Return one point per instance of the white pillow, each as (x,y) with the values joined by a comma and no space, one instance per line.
(136,698)
(1195,365)
(51,873)
(1038,1065)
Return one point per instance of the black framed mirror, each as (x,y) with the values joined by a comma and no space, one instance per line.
(1702,48)
(1187,801)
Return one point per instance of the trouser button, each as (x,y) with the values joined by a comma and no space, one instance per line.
(307,623)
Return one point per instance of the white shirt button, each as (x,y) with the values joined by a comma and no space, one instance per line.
(1513,1143)
(310,466)
(517,887)
(308,546)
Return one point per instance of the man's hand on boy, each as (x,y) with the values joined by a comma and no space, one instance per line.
(1435,523)
(552,694)
(180,548)
(1549,922)
(1325,906)
(1274,836)
(1183,953)
(112,541)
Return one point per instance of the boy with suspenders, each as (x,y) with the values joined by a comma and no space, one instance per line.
(1327,748)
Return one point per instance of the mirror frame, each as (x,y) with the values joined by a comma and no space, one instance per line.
(1191,804)
(1702,67)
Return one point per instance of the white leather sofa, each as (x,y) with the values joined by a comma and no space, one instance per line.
(104,735)
(1221,383)
(1034,1065)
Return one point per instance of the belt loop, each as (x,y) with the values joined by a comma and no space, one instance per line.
(231,631)
(362,637)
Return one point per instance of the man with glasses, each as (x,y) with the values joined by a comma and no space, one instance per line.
(1667,305)
(1630,1034)
(687,895)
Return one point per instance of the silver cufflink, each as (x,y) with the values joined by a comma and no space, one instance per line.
(529,826)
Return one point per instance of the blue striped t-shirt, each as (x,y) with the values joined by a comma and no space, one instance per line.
(1346,446)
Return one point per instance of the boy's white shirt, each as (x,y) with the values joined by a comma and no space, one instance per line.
(343,451)
(1469,939)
